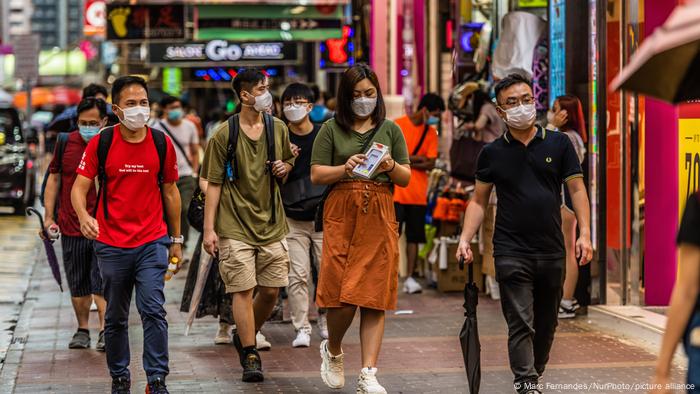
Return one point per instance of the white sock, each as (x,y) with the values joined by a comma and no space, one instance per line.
(567,303)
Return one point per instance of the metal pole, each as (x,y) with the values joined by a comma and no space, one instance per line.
(624,198)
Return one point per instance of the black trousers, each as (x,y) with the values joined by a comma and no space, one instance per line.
(531,290)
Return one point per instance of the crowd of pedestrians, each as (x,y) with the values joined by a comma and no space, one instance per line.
(279,204)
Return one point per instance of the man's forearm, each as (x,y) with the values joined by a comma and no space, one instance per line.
(195,159)
(582,209)
(172,210)
(211,205)
(50,194)
(472,220)
(78,198)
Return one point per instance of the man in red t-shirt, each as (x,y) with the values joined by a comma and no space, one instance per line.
(79,260)
(411,201)
(132,243)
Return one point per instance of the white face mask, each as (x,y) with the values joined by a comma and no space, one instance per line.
(295,113)
(521,117)
(135,117)
(263,102)
(364,106)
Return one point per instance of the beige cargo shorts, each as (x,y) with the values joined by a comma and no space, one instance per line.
(243,266)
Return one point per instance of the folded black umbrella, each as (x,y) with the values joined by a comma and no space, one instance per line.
(48,245)
(469,335)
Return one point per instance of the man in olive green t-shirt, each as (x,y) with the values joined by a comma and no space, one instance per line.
(238,225)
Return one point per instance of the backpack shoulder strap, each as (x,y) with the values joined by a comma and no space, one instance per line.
(162,149)
(103,145)
(61,142)
(269,122)
(233,130)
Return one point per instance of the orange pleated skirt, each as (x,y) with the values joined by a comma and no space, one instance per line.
(360,258)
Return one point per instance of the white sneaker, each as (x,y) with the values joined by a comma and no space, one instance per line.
(261,342)
(331,368)
(93,307)
(411,286)
(303,339)
(494,290)
(322,326)
(223,336)
(367,382)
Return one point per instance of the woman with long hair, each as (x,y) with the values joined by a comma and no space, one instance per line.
(567,116)
(360,239)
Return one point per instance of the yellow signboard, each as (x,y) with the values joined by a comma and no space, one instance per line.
(688,159)
(532,3)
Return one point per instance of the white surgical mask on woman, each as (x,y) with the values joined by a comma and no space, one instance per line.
(135,117)
(364,106)
(295,112)
(521,117)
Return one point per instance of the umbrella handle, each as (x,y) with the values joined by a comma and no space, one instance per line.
(31,211)
(470,269)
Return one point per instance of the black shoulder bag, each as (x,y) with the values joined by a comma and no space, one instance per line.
(318,218)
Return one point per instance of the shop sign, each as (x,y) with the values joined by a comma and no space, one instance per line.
(557,49)
(216,51)
(338,52)
(95,18)
(268,22)
(532,3)
(139,22)
(688,152)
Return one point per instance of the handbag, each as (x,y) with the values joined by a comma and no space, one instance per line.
(195,213)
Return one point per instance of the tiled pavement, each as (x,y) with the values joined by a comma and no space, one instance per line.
(420,353)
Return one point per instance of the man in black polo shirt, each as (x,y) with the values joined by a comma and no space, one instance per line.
(528,166)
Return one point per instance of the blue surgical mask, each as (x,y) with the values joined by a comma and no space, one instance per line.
(175,114)
(87,132)
(433,121)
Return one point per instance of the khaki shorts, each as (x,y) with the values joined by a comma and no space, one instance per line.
(243,266)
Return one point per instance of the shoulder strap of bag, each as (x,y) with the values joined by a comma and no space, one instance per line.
(233,130)
(103,145)
(422,139)
(370,138)
(161,147)
(271,157)
(177,143)
(61,142)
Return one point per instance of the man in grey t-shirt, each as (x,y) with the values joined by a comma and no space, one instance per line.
(184,136)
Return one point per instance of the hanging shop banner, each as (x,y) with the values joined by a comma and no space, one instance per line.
(172,81)
(557,49)
(268,22)
(688,152)
(139,22)
(338,52)
(220,51)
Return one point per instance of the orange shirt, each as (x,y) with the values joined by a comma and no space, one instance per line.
(416,192)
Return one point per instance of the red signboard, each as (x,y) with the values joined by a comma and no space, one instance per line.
(94,18)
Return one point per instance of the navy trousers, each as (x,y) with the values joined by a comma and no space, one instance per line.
(123,270)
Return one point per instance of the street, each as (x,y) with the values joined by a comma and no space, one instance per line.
(420,353)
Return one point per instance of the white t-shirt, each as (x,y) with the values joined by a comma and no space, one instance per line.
(186,134)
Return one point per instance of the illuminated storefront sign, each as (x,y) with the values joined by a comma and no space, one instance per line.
(557,49)
(217,51)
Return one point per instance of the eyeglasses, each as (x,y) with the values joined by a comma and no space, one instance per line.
(514,102)
(286,103)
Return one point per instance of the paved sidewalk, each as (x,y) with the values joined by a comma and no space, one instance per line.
(420,354)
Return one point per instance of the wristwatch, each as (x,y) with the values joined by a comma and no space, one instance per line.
(177,240)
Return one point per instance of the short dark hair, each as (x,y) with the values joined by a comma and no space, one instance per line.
(344,114)
(431,102)
(247,79)
(316,92)
(122,82)
(510,80)
(298,90)
(167,100)
(93,90)
(90,102)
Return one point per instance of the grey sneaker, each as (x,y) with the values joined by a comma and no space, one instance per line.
(100,346)
(81,340)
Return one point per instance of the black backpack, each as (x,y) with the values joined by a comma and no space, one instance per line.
(61,141)
(103,145)
(232,171)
